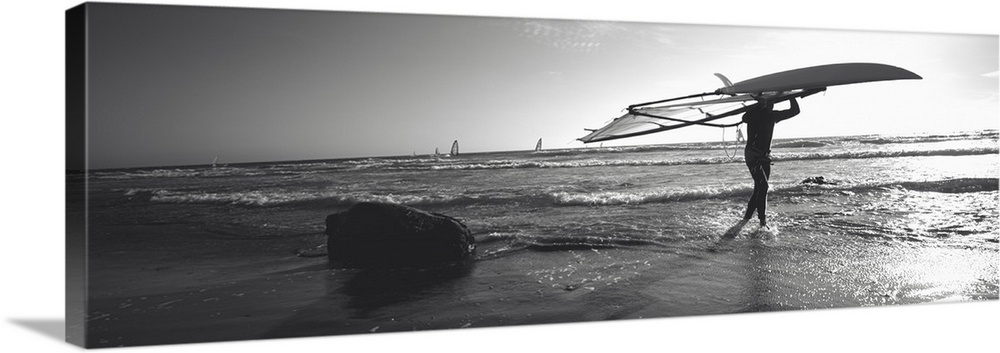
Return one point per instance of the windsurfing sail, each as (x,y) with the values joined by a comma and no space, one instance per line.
(647,118)
(538,146)
(454,148)
(737,98)
(700,109)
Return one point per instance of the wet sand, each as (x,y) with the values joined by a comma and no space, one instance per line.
(151,288)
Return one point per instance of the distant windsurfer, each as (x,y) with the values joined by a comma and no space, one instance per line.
(760,129)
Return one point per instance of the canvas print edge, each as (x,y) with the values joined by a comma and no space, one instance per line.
(80,261)
(76,154)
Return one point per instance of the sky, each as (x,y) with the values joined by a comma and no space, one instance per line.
(182,85)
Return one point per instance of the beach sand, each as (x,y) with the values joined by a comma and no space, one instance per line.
(163,284)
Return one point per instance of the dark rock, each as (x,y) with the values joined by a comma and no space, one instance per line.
(818,180)
(389,235)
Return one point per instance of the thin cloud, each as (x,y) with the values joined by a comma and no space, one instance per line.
(575,36)
(588,36)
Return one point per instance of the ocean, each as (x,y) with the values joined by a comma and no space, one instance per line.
(563,235)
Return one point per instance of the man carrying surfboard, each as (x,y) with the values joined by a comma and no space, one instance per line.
(760,129)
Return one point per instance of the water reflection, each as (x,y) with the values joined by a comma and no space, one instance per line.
(372,289)
(761,289)
(353,300)
(754,255)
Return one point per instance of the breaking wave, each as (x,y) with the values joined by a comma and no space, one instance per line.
(302,198)
(181,173)
(519,164)
(674,195)
(332,199)
(798,144)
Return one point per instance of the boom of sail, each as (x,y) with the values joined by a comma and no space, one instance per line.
(669,114)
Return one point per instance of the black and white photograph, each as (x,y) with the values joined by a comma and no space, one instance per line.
(238,172)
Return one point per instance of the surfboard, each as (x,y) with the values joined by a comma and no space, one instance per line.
(818,77)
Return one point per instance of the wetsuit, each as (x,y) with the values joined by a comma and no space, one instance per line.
(760,129)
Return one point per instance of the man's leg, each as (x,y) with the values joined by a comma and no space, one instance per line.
(752,203)
(760,190)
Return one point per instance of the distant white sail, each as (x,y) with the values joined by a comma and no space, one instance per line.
(215,162)
(454,148)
